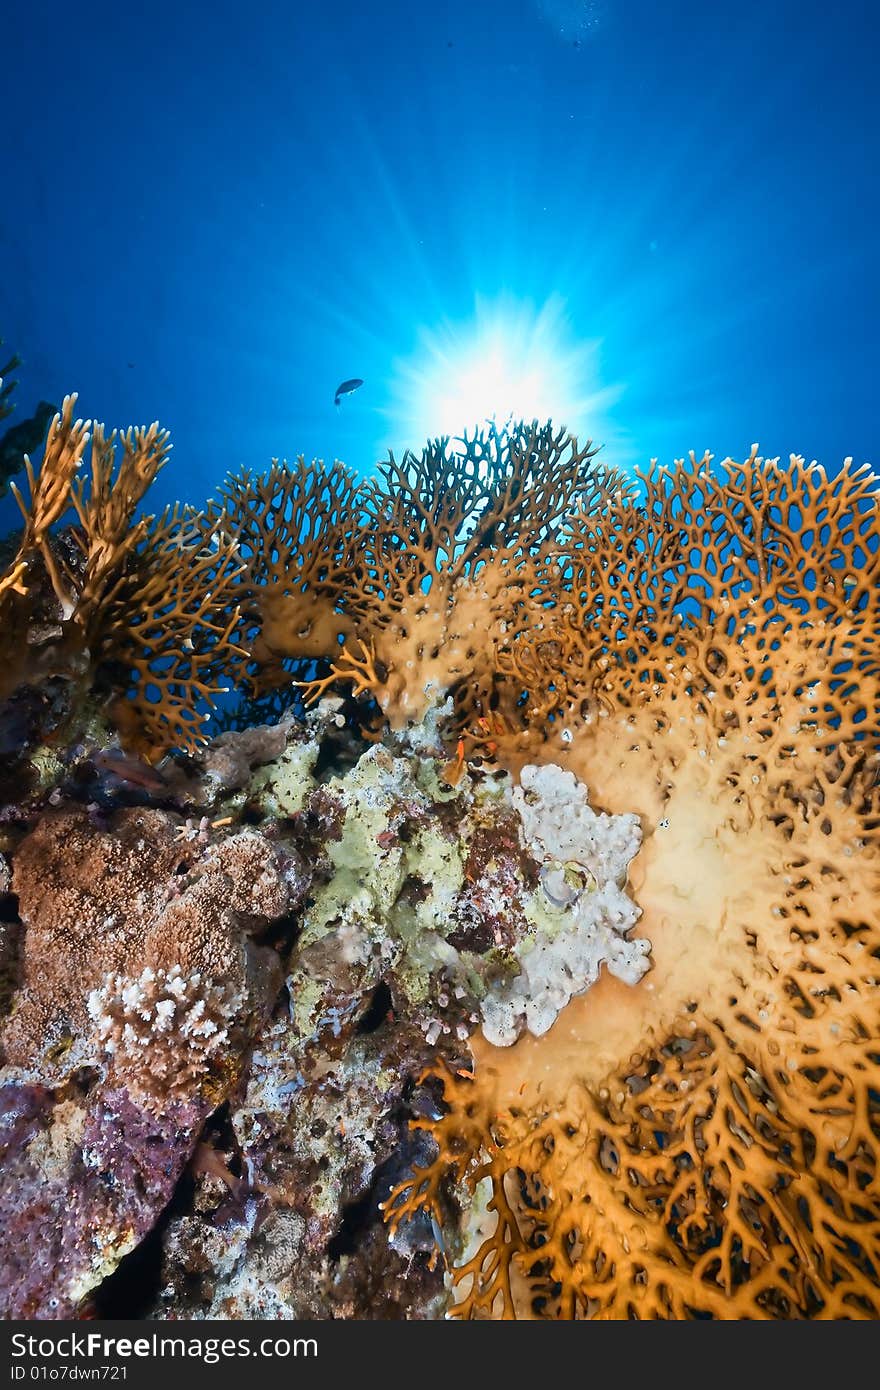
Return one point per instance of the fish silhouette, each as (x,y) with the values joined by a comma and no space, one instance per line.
(345,388)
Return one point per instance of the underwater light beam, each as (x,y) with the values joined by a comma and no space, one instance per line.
(510,362)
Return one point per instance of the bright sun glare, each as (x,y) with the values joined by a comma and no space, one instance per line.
(511,361)
(490,383)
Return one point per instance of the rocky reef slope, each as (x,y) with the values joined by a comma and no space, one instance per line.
(224,980)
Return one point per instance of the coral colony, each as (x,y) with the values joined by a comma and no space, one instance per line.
(505,945)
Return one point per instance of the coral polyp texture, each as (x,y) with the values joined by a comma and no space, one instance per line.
(527,964)
(163,1027)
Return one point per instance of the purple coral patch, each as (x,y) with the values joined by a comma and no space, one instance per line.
(80,1189)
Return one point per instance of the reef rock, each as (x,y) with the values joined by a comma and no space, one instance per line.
(219,1022)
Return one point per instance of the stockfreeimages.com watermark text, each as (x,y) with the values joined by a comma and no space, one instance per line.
(98,1346)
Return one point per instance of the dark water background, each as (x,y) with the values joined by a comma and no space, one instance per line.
(212,214)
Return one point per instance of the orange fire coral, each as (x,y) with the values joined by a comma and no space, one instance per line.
(49,499)
(414,585)
(171,621)
(711,571)
(148,608)
(299,533)
(706,1142)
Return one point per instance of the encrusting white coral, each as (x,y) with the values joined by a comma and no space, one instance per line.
(494,913)
(559,823)
(585,915)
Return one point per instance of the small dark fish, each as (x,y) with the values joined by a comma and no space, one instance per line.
(345,388)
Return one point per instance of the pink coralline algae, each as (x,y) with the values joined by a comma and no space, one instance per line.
(84,1182)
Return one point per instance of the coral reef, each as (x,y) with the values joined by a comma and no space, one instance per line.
(104,899)
(297,973)
(139,982)
(137,612)
(163,1032)
(584,915)
(707,1146)
(414,585)
(420,910)
(348,1010)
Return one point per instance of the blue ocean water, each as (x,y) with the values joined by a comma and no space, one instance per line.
(659,218)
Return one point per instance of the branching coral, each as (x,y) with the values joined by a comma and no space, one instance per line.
(299,530)
(106,509)
(50,492)
(715,571)
(146,609)
(412,586)
(706,1144)
(171,621)
(699,648)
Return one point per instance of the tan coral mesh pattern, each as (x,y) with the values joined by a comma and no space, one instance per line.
(706,1143)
